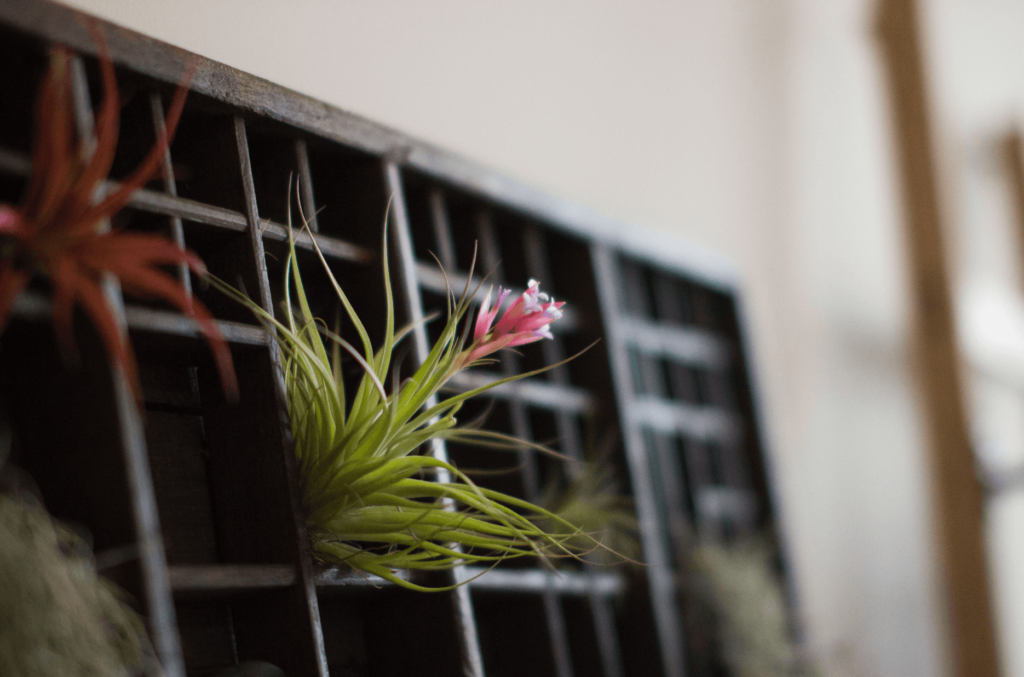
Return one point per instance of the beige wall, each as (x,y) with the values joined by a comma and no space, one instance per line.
(756,128)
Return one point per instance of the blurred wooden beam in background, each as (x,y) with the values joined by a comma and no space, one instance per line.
(958,494)
(1012,156)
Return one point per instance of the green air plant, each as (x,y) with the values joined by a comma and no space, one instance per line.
(371,501)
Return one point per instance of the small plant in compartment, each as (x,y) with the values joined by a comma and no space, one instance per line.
(58,616)
(737,591)
(61,231)
(593,504)
(591,501)
(365,501)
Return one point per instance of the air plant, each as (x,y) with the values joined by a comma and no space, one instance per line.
(61,229)
(740,589)
(593,506)
(371,501)
(58,616)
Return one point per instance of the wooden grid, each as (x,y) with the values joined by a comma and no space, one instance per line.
(204,495)
(524,243)
(690,430)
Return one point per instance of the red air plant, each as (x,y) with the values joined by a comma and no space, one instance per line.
(61,228)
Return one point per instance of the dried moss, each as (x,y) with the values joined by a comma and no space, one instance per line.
(57,616)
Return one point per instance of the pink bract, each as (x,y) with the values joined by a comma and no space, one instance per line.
(525,321)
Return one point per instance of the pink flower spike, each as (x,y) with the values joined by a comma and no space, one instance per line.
(509,319)
(533,321)
(525,321)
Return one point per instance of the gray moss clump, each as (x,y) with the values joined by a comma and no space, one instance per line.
(738,583)
(57,617)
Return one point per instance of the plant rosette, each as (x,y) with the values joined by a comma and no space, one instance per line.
(369,498)
(61,228)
